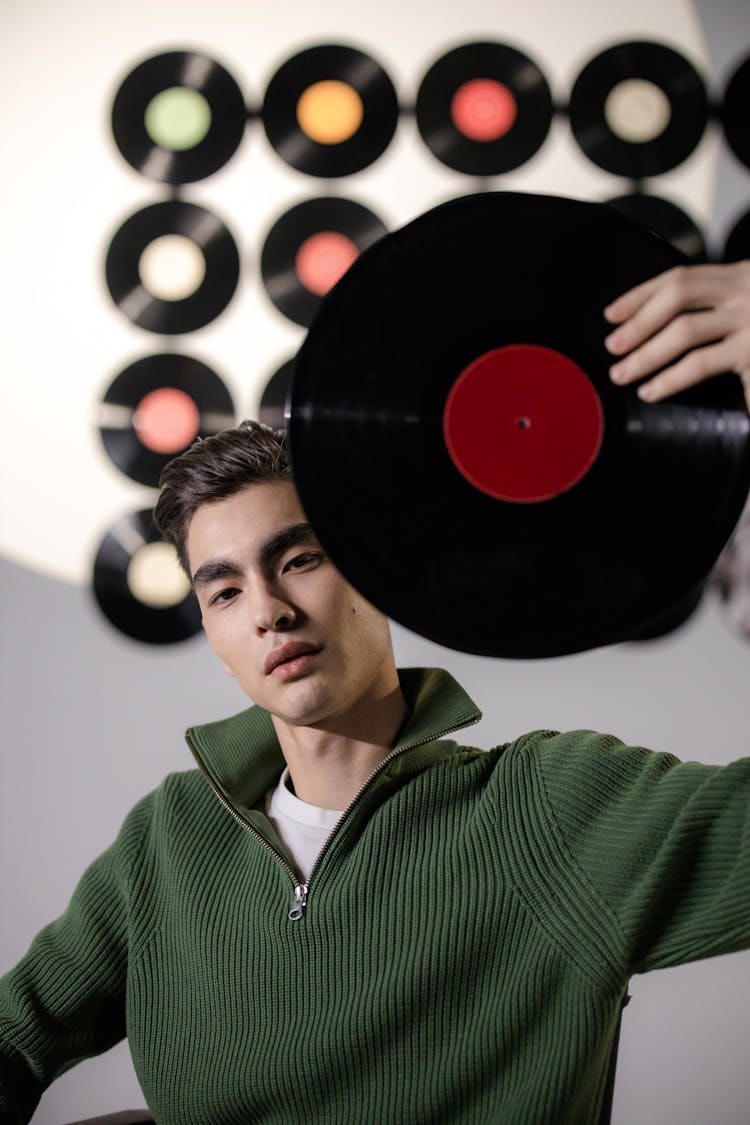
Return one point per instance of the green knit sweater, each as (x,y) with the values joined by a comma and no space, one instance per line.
(467,937)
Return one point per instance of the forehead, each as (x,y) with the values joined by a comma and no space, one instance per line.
(241,523)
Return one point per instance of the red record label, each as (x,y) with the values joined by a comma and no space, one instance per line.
(523,423)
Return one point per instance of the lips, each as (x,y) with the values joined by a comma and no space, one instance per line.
(287,652)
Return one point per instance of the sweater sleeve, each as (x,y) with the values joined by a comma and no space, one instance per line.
(663,844)
(65,1000)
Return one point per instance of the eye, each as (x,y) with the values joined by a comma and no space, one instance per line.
(224,595)
(299,561)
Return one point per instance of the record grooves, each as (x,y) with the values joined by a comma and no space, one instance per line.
(156,408)
(626,532)
(297,231)
(638,109)
(484,108)
(208,235)
(204,128)
(330,111)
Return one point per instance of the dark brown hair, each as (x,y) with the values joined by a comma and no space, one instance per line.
(212,469)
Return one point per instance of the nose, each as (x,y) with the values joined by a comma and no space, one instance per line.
(272,611)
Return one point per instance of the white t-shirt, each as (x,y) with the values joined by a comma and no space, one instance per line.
(303,828)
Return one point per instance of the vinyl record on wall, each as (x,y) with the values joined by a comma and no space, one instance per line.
(484,108)
(664,218)
(156,408)
(737,245)
(638,109)
(735,112)
(330,111)
(172,267)
(310,247)
(140,586)
(275,397)
(178,117)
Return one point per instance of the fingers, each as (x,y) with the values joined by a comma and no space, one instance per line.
(691,330)
(699,364)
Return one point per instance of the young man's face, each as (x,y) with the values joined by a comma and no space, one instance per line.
(263,582)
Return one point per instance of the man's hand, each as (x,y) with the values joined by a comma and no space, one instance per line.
(693,321)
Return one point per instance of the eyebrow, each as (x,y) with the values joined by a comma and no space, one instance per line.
(281,541)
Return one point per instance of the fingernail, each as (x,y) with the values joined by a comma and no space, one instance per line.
(618,372)
(612,341)
(646,392)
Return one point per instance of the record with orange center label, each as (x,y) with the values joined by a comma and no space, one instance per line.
(330,111)
(156,408)
(139,584)
(484,108)
(464,457)
(638,109)
(734,112)
(172,267)
(310,248)
(737,245)
(178,117)
(664,218)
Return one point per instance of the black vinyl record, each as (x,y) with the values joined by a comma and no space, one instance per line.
(664,218)
(207,117)
(309,247)
(275,398)
(213,293)
(156,408)
(735,112)
(484,108)
(737,245)
(158,615)
(638,109)
(349,126)
(463,455)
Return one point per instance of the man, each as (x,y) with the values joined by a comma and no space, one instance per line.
(345,916)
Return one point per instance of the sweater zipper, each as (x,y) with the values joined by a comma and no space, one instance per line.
(301,890)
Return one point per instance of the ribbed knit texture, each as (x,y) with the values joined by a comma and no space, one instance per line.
(469,931)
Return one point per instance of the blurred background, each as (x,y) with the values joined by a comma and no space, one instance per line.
(183,185)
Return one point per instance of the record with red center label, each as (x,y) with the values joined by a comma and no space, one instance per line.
(275,398)
(664,218)
(737,245)
(139,584)
(178,117)
(310,248)
(330,111)
(464,457)
(638,109)
(172,267)
(156,408)
(484,108)
(735,111)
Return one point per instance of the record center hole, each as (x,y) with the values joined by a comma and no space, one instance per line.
(523,423)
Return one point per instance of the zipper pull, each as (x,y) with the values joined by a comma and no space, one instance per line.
(300,902)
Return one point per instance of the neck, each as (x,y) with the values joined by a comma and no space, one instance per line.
(329,763)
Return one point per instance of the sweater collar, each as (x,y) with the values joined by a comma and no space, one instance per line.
(243,758)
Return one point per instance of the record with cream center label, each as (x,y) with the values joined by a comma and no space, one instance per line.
(172,267)
(464,457)
(139,585)
(638,109)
